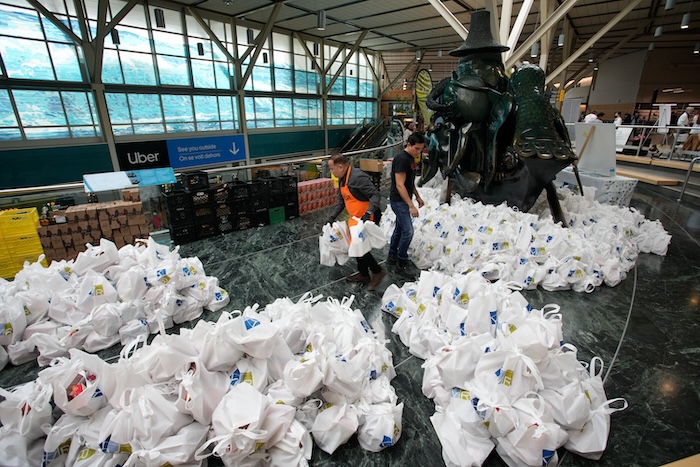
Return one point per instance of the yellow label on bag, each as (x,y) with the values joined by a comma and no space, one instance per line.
(508,378)
(85,453)
(165,279)
(64,447)
(325,406)
(421,309)
(512,328)
(280,402)
(464,298)
(309,347)
(99,290)
(248,378)
(26,311)
(588,396)
(396,431)
(385,367)
(398,311)
(202,286)
(8,329)
(464,395)
(258,446)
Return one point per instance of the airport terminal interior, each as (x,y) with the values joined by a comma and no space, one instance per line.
(167,106)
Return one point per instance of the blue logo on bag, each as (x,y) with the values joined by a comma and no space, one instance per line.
(461,329)
(365,325)
(546,456)
(435,291)
(218,296)
(235,377)
(143,321)
(361,236)
(493,315)
(390,306)
(386,442)
(523,261)
(148,284)
(186,271)
(97,393)
(373,374)
(178,302)
(160,273)
(251,323)
(549,238)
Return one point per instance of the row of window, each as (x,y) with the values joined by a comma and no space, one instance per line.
(72,114)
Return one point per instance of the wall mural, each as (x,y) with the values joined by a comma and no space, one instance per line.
(508,143)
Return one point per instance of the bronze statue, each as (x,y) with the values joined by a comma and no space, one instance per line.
(508,141)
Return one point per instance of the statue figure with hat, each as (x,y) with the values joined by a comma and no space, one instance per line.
(508,142)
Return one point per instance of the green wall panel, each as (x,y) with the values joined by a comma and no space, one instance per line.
(338,136)
(274,144)
(47,166)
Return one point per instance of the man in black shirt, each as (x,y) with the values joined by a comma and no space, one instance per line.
(401,199)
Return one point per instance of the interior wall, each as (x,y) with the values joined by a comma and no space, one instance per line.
(668,69)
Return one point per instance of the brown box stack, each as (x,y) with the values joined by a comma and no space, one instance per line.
(119,221)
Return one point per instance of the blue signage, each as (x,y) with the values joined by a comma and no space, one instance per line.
(190,152)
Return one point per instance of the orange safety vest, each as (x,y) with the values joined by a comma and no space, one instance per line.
(354,206)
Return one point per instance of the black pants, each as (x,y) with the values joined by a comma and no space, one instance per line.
(367,263)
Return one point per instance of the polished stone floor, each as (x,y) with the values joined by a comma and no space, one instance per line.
(656,368)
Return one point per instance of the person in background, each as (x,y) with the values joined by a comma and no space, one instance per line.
(618,119)
(593,117)
(156,221)
(401,198)
(410,128)
(627,120)
(360,197)
(684,119)
(693,141)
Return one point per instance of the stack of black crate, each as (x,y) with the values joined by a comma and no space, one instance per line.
(239,202)
(291,207)
(284,200)
(178,208)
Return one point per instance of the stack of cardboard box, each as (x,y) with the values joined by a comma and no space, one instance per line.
(316,194)
(119,221)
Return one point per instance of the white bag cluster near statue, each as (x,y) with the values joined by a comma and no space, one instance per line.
(251,388)
(599,246)
(499,372)
(103,297)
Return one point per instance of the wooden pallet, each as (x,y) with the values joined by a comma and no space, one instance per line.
(652,179)
(643,160)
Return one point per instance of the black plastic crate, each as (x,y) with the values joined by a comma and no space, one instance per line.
(258,188)
(223,210)
(180,216)
(239,190)
(202,197)
(204,214)
(183,234)
(261,217)
(278,200)
(177,200)
(291,210)
(258,202)
(195,181)
(240,206)
(226,224)
(206,230)
(288,183)
(243,222)
(274,185)
(292,197)
(220,194)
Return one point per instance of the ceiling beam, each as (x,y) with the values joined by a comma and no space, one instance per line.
(625,11)
(550,23)
(450,18)
(518,27)
(120,16)
(56,22)
(405,69)
(506,16)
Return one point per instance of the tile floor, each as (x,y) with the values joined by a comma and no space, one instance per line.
(656,368)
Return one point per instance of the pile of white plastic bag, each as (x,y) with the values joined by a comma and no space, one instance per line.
(103,297)
(338,242)
(499,372)
(600,245)
(250,389)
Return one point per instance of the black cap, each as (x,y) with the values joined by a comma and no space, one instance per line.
(479,39)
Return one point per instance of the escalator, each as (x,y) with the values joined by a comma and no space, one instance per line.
(355,138)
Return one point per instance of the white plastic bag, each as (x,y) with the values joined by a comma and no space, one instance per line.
(26,408)
(334,425)
(591,440)
(380,426)
(12,321)
(200,391)
(360,245)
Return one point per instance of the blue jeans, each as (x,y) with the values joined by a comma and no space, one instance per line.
(403,231)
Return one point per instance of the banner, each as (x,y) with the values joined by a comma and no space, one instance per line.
(424,84)
(190,152)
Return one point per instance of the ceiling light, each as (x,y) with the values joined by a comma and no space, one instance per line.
(439,54)
(560,42)
(696,50)
(115,37)
(227,2)
(667,90)
(418,56)
(590,59)
(200,49)
(321,26)
(670,4)
(350,72)
(651,46)
(685,22)
(535,49)
(430,67)
(595,67)
(160,17)
(265,59)
(659,30)
(316,48)
(250,36)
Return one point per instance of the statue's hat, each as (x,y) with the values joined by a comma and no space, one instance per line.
(479,39)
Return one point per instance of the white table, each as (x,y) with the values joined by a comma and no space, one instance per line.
(608,190)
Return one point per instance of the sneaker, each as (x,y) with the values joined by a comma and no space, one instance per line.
(357,277)
(404,268)
(391,261)
(376,279)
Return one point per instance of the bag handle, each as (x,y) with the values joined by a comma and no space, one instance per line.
(592,368)
(129,349)
(606,406)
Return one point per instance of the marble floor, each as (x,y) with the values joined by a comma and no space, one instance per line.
(650,322)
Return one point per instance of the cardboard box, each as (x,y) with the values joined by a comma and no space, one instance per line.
(372,165)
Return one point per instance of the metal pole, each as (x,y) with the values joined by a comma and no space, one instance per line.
(687,177)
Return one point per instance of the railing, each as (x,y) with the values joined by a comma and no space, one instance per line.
(687,177)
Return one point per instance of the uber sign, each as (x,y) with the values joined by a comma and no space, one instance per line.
(142,155)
